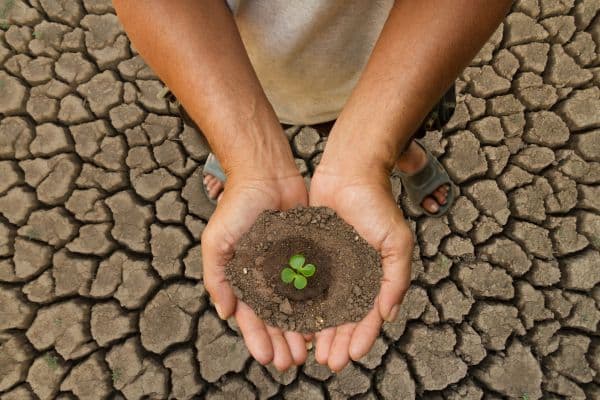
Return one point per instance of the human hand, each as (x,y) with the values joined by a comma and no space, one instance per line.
(246,194)
(364,199)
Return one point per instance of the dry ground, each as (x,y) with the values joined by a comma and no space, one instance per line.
(101,209)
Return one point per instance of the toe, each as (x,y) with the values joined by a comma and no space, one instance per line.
(214,191)
(218,190)
(210,186)
(214,187)
(430,205)
(440,196)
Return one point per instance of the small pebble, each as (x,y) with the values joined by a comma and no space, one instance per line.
(285,307)
(245,270)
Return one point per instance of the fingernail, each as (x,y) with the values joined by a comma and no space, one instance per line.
(393,313)
(219,311)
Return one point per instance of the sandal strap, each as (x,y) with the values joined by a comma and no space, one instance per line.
(213,167)
(424,182)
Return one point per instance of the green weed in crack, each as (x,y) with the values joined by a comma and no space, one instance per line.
(6,6)
(32,234)
(116,375)
(51,361)
(596,242)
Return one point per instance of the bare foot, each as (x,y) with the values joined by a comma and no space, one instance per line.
(412,161)
(214,187)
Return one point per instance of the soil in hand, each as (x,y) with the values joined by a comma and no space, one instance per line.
(343,288)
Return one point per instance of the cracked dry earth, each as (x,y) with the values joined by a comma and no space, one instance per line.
(101,291)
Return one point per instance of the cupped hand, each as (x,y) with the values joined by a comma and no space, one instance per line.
(364,199)
(245,196)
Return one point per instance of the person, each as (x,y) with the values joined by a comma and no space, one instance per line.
(241,68)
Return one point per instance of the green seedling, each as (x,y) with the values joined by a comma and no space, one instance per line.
(298,271)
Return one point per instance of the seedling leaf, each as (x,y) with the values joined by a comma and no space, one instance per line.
(300,282)
(287,275)
(297,261)
(308,270)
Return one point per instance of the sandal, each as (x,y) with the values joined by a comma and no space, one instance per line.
(424,182)
(211,165)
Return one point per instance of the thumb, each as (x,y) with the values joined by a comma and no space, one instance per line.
(214,251)
(218,241)
(396,255)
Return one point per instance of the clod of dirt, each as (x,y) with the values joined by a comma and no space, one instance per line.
(342,289)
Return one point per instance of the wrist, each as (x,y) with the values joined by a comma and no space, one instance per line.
(267,158)
(348,157)
(373,148)
(253,148)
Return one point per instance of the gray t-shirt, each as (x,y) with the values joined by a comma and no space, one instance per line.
(309,54)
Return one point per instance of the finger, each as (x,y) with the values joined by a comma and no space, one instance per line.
(255,334)
(323,345)
(396,255)
(365,334)
(282,357)
(339,355)
(215,281)
(297,346)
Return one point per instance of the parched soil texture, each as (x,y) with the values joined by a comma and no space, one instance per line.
(343,287)
(102,210)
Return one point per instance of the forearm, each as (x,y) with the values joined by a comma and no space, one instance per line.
(424,45)
(195,48)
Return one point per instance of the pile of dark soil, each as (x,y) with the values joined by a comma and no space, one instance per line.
(342,289)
